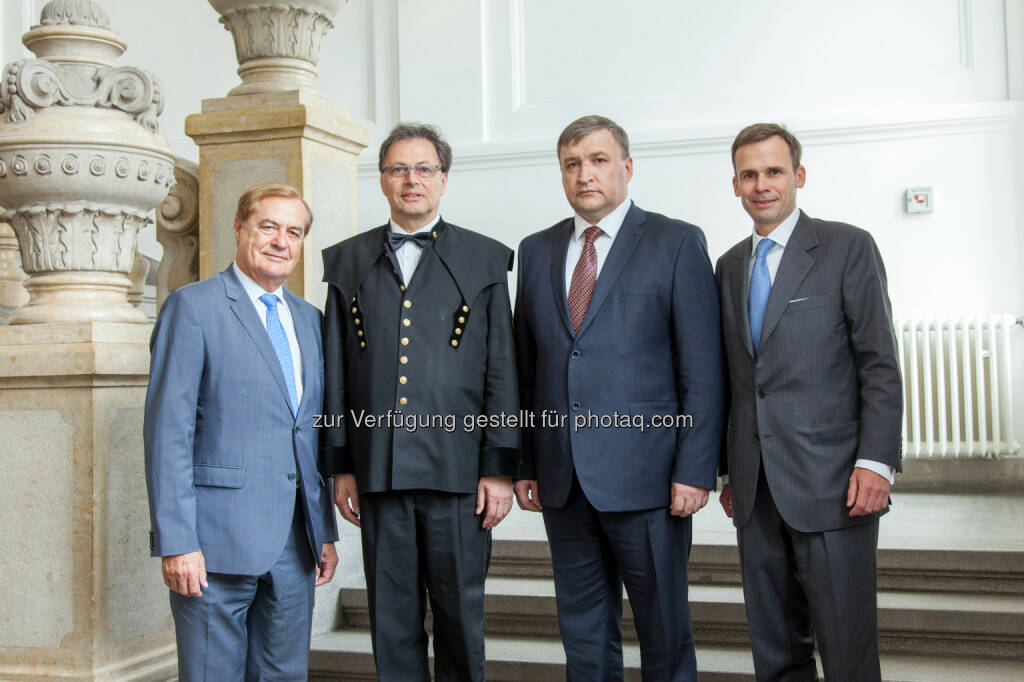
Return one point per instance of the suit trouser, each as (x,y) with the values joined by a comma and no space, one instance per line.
(801,585)
(418,544)
(593,553)
(251,627)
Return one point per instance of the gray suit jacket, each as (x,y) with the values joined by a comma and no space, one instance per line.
(224,453)
(825,387)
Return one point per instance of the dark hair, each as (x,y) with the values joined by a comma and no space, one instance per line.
(414,131)
(257,193)
(759,132)
(581,127)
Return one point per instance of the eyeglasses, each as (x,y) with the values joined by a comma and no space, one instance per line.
(424,170)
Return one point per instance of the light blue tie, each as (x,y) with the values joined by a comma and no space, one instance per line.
(279,340)
(760,287)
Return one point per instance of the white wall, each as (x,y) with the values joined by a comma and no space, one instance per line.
(884,95)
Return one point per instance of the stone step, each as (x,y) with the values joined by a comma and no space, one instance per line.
(918,623)
(978,571)
(346,656)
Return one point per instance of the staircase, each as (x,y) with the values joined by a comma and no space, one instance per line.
(950,600)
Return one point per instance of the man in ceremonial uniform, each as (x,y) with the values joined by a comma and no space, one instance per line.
(418,337)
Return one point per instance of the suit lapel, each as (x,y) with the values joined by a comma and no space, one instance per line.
(741,292)
(622,248)
(243,309)
(559,248)
(796,263)
(307,343)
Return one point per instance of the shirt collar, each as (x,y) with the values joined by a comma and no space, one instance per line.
(253,289)
(609,224)
(781,234)
(426,228)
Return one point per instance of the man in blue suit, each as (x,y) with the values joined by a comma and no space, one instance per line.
(240,513)
(620,359)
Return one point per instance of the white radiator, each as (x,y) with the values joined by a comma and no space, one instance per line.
(957,387)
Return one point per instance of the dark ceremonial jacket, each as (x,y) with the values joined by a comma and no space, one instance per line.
(440,348)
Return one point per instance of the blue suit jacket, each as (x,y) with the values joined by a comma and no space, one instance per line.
(223,451)
(649,347)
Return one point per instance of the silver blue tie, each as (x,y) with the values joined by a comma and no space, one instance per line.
(279,340)
(760,287)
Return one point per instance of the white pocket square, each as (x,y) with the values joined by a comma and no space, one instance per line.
(797,300)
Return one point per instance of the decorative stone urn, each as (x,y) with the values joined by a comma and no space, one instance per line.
(81,165)
(277,43)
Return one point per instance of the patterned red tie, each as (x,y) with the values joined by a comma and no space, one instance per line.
(584,277)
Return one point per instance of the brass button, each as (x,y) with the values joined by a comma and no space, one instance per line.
(353,299)
(458,330)
(404,360)
(403,400)
(362,344)
(403,380)
(405,341)
(407,304)
(455,342)
(402,288)
(465,308)
(462,320)
(355,310)
(357,321)
(406,322)
(434,234)
(359,332)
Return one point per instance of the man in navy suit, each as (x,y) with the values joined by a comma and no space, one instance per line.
(240,513)
(620,359)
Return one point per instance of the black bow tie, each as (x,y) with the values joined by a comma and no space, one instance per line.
(421,239)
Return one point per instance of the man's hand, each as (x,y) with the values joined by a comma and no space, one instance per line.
(687,499)
(328,564)
(725,497)
(493,494)
(868,492)
(527,495)
(185,573)
(347,498)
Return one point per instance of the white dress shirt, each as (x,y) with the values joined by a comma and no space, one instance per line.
(254,292)
(409,253)
(780,235)
(609,225)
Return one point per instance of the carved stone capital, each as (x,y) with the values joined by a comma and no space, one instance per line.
(277,43)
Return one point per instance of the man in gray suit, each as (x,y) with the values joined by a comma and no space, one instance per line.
(240,513)
(814,425)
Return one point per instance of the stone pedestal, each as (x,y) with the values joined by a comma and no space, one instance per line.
(295,137)
(81,599)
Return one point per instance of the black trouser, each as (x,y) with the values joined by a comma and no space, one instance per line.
(419,544)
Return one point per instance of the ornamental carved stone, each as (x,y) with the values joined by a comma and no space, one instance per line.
(177,230)
(32,84)
(81,165)
(277,43)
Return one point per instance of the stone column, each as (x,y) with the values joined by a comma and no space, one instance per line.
(81,166)
(276,127)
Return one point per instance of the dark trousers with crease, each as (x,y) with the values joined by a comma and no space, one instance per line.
(425,544)
(593,553)
(801,586)
(250,627)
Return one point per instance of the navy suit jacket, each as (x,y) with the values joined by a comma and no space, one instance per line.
(224,453)
(649,348)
